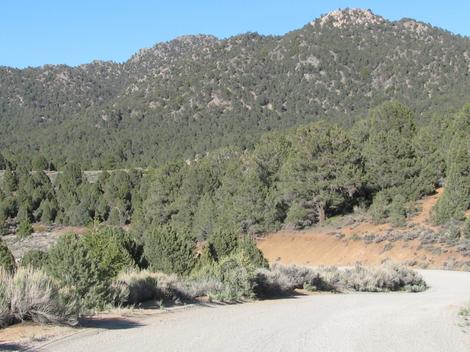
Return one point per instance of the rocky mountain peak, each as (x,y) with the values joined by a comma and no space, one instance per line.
(346,17)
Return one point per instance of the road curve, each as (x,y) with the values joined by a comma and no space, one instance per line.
(364,322)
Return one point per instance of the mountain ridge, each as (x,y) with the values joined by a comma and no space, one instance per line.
(332,14)
(197,92)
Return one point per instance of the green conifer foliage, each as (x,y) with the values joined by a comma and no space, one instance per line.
(388,151)
(169,251)
(456,197)
(25,229)
(7,261)
(324,170)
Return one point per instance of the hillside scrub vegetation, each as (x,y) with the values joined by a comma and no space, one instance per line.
(106,267)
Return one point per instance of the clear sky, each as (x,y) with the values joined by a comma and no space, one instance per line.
(37,32)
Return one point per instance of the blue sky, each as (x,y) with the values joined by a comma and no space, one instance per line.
(37,32)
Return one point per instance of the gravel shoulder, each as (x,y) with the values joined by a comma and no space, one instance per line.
(402,322)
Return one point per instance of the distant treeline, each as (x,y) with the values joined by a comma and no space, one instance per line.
(297,178)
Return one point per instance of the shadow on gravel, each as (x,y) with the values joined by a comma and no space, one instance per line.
(109,323)
(12,347)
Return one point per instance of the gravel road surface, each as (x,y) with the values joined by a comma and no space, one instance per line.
(415,322)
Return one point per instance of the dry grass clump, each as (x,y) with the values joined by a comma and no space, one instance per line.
(465,314)
(383,278)
(386,277)
(136,286)
(271,283)
(234,282)
(282,279)
(30,294)
(230,280)
(194,288)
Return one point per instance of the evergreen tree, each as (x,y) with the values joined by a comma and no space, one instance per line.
(7,261)
(223,243)
(269,155)
(3,162)
(115,217)
(466,229)
(430,147)
(40,163)
(324,170)
(78,215)
(160,202)
(87,264)
(204,218)
(48,211)
(25,229)
(390,158)
(34,258)
(10,181)
(398,210)
(380,207)
(456,197)
(169,251)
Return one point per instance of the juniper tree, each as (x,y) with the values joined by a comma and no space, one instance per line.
(25,229)
(10,181)
(40,163)
(7,261)
(3,162)
(456,197)
(324,170)
(388,151)
(168,250)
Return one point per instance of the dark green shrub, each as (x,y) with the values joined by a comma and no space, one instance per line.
(169,251)
(398,211)
(379,209)
(4,230)
(48,211)
(115,217)
(78,215)
(453,231)
(390,160)
(465,231)
(115,248)
(456,197)
(448,207)
(299,216)
(237,273)
(222,243)
(10,181)
(24,212)
(72,264)
(40,163)
(7,261)
(34,258)
(87,264)
(25,229)
(248,247)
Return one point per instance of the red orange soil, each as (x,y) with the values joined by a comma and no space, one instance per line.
(342,244)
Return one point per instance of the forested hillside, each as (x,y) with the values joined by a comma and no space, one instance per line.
(382,165)
(194,94)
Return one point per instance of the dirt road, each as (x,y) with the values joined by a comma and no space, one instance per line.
(326,322)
